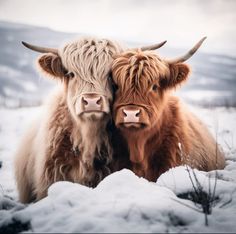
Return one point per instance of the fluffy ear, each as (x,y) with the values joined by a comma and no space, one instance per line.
(52,65)
(178,73)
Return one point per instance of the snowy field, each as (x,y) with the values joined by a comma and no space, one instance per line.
(122,202)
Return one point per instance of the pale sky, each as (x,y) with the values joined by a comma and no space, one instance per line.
(180,22)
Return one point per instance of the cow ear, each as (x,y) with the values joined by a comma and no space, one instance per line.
(178,73)
(52,65)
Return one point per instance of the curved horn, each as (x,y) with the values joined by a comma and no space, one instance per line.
(151,47)
(188,54)
(40,49)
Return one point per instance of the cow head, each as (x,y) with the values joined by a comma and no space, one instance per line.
(83,66)
(142,80)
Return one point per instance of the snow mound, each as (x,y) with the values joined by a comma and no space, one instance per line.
(123,202)
(181,179)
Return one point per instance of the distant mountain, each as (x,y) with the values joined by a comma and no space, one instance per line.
(213,79)
(20,83)
(212,82)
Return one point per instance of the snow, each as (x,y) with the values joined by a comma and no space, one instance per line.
(122,202)
(14,123)
(200,95)
(221,122)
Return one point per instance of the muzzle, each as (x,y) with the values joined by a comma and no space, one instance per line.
(132,116)
(92,103)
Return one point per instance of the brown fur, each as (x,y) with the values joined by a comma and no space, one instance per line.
(52,65)
(171,135)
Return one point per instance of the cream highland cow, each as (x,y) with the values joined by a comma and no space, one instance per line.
(70,141)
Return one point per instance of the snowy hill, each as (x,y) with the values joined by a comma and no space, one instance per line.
(213,79)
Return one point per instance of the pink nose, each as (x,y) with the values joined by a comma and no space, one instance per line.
(92,103)
(131,116)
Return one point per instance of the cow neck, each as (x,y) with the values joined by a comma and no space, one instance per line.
(90,138)
(140,145)
(139,153)
(157,142)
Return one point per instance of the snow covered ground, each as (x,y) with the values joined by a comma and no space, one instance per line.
(122,202)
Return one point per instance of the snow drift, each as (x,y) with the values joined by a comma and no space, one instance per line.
(122,202)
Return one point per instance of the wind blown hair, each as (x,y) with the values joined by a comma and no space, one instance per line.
(66,143)
(131,66)
(153,122)
(89,58)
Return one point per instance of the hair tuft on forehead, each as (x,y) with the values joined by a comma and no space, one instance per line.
(137,69)
(89,58)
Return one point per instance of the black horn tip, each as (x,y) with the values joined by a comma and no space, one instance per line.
(25,44)
(164,42)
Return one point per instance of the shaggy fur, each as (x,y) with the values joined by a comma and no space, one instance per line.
(61,145)
(169,134)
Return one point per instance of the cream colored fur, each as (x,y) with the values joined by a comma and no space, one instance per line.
(47,153)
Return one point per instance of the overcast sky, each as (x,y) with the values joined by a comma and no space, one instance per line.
(181,22)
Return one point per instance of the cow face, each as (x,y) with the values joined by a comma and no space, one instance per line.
(142,81)
(84,68)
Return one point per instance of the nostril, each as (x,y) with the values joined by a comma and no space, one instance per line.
(84,101)
(99,101)
(137,114)
(124,113)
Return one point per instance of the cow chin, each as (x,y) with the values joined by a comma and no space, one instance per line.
(132,126)
(93,115)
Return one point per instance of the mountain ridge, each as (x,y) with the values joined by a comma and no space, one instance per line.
(212,81)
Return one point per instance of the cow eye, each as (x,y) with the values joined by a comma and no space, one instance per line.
(154,87)
(70,75)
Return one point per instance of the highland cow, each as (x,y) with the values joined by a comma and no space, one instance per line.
(70,141)
(160,132)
